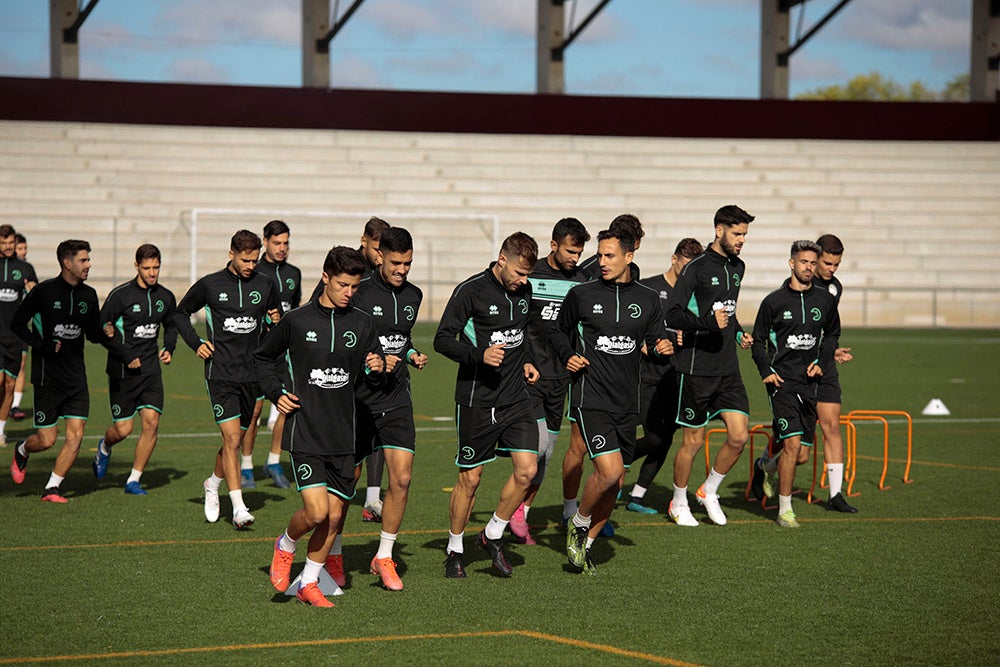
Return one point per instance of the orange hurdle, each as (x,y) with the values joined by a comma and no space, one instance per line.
(909,436)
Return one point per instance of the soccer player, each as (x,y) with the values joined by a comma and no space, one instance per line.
(371,237)
(17,279)
(572,466)
(703,306)
(132,314)
(63,310)
(552,277)
(238,303)
(610,318)
(385,412)
(795,334)
(483,328)
(16,413)
(658,388)
(331,347)
(827,395)
(288,280)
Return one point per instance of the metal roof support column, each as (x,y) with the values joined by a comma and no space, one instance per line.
(315,63)
(984,66)
(64,56)
(774,28)
(549,33)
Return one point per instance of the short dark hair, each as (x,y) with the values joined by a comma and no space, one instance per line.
(375,227)
(520,245)
(342,259)
(146,251)
(275,228)
(625,240)
(244,241)
(628,223)
(805,246)
(732,215)
(830,244)
(689,248)
(69,248)
(573,228)
(7,231)
(19,238)
(395,239)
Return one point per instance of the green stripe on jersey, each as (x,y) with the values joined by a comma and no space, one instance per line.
(470,331)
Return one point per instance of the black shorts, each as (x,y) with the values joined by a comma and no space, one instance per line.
(53,403)
(483,433)
(233,400)
(386,430)
(828,390)
(794,414)
(129,395)
(548,399)
(658,405)
(606,432)
(10,358)
(702,398)
(334,471)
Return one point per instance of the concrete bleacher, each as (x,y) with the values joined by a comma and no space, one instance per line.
(915,216)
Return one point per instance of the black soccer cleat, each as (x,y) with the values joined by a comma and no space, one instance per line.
(495,549)
(839,504)
(757,480)
(453,568)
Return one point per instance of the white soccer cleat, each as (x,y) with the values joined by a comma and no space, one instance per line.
(711,504)
(681,514)
(242,519)
(211,503)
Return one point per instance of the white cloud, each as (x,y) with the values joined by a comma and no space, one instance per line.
(228,20)
(196,70)
(939,25)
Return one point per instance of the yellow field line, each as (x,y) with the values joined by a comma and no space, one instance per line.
(613,650)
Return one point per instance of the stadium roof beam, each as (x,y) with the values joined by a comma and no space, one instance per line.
(65,21)
(984,65)
(551,45)
(316,37)
(775,20)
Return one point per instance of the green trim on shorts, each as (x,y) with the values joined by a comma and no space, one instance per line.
(10,375)
(310,486)
(719,412)
(397,447)
(73,417)
(474,465)
(228,419)
(341,495)
(610,451)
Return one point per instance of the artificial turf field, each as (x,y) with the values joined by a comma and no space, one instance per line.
(912,578)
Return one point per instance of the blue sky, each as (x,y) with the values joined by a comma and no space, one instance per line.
(663,48)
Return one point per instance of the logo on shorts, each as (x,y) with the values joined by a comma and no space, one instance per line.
(329,378)
(507,338)
(393,343)
(377,311)
(255,297)
(136,308)
(689,414)
(146,330)
(311,337)
(617,345)
(551,311)
(9,295)
(352,339)
(816,313)
(468,453)
(223,296)
(305,471)
(240,325)
(599,442)
(635,311)
(787,315)
(410,313)
(290,283)
(218,410)
(116,410)
(800,342)
(494,310)
(598,309)
(66,331)
(39,417)
(783,425)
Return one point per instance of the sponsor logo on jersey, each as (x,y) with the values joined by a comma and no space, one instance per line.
(290,283)
(523,305)
(715,281)
(351,337)
(136,308)
(240,325)
(551,310)
(83,308)
(8,295)
(800,342)
(787,315)
(634,311)
(377,311)
(223,296)
(329,378)
(15,274)
(833,289)
(410,313)
(494,310)
(57,305)
(736,279)
(507,338)
(145,331)
(598,309)
(67,331)
(816,313)
(617,345)
(311,337)
(729,305)
(255,297)
(393,343)
(664,295)
(159,305)
(286,306)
